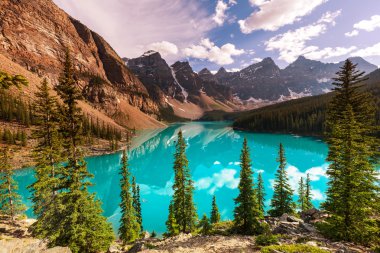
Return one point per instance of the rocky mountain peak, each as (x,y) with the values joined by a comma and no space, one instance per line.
(205,74)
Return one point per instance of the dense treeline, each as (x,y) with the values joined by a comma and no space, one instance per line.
(10,137)
(15,110)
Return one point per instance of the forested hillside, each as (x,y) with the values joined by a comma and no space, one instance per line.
(301,116)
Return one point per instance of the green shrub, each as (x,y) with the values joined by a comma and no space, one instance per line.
(293,248)
(222,228)
(266,239)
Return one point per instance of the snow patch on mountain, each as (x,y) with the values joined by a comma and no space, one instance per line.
(184,92)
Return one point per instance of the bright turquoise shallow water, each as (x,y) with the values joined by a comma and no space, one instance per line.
(213,152)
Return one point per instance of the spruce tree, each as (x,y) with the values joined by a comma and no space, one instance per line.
(282,197)
(353,194)
(308,195)
(204,225)
(215,215)
(10,200)
(246,211)
(302,195)
(260,193)
(129,229)
(171,224)
(78,222)
(47,156)
(137,202)
(183,187)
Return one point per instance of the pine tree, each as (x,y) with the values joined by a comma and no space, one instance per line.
(137,202)
(246,211)
(171,224)
(215,215)
(204,225)
(47,155)
(7,81)
(260,193)
(10,201)
(308,194)
(77,222)
(129,225)
(282,197)
(353,191)
(302,195)
(183,205)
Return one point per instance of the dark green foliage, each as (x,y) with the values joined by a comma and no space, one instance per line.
(282,197)
(15,109)
(266,239)
(129,229)
(246,211)
(75,217)
(153,234)
(10,201)
(137,202)
(353,191)
(171,224)
(93,128)
(302,195)
(7,80)
(183,187)
(47,156)
(215,215)
(308,195)
(204,225)
(260,193)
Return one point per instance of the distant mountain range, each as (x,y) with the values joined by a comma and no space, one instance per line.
(266,81)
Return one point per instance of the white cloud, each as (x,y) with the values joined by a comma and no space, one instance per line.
(294,175)
(352,34)
(217,163)
(293,43)
(165,48)
(329,52)
(133,25)
(317,195)
(233,70)
(221,8)
(208,50)
(257,59)
(369,25)
(273,14)
(373,50)
(225,178)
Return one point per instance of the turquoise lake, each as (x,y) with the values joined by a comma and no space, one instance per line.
(213,152)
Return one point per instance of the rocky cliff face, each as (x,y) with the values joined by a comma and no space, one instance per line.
(35,35)
(178,81)
(266,81)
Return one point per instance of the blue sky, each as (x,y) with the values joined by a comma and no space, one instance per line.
(235,33)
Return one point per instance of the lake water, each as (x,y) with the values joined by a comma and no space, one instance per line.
(213,152)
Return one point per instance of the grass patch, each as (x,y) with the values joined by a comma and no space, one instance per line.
(293,248)
(266,239)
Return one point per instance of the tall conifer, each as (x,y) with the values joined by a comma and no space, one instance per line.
(308,194)
(129,225)
(302,195)
(215,215)
(353,190)
(183,204)
(137,202)
(10,200)
(260,193)
(282,197)
(78,222)
(246,211)
(47,156)
(171,224)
